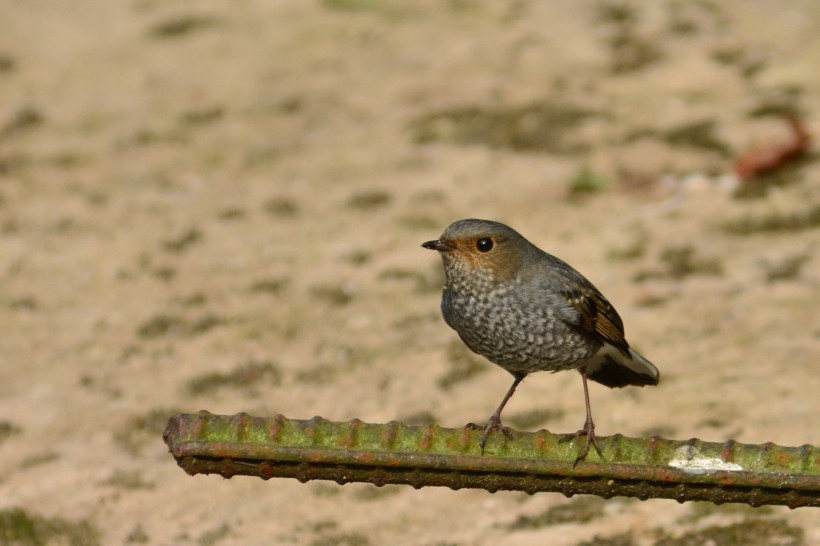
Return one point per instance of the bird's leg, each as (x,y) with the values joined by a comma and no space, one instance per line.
(588,430)
(495,418)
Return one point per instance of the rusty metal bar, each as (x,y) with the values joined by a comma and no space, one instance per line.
(395,453)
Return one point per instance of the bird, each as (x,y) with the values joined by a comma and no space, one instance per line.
(529,311)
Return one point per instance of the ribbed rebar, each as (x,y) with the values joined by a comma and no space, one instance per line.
(395,453)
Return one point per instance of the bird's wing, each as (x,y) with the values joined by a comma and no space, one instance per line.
(598,317)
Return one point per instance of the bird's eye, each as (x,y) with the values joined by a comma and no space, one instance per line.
(484,245)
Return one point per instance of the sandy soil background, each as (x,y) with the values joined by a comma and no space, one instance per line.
(219,204)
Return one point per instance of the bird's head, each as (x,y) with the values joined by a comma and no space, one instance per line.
(481,248)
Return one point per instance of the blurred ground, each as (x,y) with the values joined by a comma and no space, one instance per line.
(219,204)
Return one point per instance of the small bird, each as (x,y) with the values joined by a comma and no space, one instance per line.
(528,311)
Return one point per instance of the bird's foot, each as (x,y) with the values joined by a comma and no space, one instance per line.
(591,439)
(492,424)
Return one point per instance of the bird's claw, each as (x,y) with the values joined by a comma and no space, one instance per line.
(493,423)
(589,432)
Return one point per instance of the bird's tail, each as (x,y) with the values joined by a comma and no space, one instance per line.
(612,368)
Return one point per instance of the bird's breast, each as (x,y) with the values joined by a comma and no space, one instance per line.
(515,328)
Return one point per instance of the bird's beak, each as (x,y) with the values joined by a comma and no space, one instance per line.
(439,245)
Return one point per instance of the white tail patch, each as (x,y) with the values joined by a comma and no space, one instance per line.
(640,365)
(637,364)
